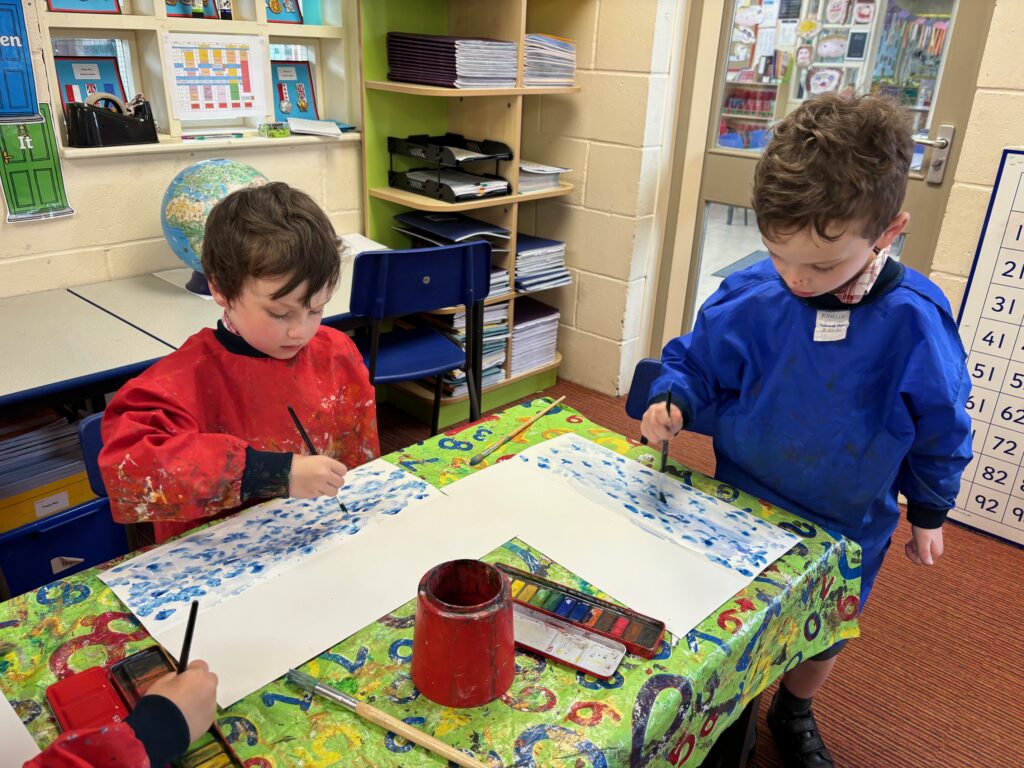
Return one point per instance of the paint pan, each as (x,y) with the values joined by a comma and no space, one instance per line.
(87,699)
(565,642)
(640,634)
(135,674)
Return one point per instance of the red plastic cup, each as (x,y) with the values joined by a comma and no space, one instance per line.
(463,648)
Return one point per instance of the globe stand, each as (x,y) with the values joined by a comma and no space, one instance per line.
(198,284)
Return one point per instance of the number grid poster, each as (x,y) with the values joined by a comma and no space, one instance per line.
(992,330)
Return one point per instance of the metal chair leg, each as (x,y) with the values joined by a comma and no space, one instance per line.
(436,419)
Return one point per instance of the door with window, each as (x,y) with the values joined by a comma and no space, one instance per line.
(773,55)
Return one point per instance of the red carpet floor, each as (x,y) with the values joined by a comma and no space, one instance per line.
(936,680)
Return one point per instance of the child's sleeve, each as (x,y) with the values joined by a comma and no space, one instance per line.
(935,388)
(687,369)
(158,465)
(109,745)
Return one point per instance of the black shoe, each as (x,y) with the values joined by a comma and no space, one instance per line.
(797,737)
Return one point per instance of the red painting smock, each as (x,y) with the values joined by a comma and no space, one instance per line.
(178,439)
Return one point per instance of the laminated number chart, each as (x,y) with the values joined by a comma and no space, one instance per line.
(992,329)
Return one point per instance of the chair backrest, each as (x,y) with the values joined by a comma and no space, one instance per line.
(92,441)
(391,283)
(647,370)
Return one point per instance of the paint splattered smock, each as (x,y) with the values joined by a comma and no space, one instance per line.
(830,430)
(207,429)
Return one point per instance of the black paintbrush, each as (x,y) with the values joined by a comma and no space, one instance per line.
(186,644)
(312,448)
(664,446)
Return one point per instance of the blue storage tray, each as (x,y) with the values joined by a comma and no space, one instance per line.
(86,531)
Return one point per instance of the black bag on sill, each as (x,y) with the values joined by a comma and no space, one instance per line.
(92,125)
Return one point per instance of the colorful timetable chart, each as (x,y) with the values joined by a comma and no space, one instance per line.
(213,78)
(992,329)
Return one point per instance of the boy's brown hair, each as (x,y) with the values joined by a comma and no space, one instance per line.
(270,231)
(834,161)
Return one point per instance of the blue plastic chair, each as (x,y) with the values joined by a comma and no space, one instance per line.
(730,140)
(647,370)
(388,284)
(92,442)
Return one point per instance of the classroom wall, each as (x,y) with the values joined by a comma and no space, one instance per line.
(995,124)
(115,231)
(611,134)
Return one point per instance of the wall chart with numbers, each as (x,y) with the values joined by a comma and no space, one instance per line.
(992,329)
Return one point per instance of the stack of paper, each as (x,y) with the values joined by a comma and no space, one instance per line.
(495,343)
(315,127)
(462,184)
(534,333)
(452,61)
(540,264)
(550,61)
(499,282)
(36,452)
(534,177)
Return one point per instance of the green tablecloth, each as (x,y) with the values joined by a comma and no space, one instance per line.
(666,711)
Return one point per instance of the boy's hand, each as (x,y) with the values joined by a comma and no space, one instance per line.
(925,547)
(194,692)
(314,476)
(657,427)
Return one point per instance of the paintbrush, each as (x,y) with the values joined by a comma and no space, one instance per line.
(186,645)
(492,448)
(664,449)
(312,448)
(383,719)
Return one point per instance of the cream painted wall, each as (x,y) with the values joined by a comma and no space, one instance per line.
(612,135)
(115,231)
(996,123)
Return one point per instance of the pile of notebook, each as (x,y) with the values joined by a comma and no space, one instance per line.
(458,62)
(533,177)
(534,333)
(540,264)
(550,61)
(462,184)
(35,452)
(495,343)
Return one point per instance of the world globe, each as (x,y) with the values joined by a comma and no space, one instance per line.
(188,200)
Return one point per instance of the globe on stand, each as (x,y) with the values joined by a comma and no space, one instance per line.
(187,203)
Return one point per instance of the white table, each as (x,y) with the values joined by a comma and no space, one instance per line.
(53,340)
(159,304)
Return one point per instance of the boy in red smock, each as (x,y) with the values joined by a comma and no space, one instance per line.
(206,430)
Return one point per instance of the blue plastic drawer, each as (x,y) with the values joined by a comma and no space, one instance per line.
(60,545)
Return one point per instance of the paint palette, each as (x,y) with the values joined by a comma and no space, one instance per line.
(565,642)
(641,635)
(135,674)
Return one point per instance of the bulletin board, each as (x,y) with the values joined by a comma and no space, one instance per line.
(992,329)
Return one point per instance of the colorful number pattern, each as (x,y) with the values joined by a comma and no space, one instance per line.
(666,711)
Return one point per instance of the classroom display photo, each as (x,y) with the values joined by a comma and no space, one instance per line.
(452,382)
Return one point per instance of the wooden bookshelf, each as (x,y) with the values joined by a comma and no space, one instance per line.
(403,109)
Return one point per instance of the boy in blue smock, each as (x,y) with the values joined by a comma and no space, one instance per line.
(830,376)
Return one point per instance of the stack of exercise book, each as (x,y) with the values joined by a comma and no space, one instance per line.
(534,177)
(540,264)
(534,335)
(454,62)
(549,61)
(495,343)
(424,228)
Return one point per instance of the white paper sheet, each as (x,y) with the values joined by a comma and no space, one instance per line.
(18,745)
(710,527)
(643,571)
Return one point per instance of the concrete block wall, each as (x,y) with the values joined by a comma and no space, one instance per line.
(995,124)
(115,231)
(611,135)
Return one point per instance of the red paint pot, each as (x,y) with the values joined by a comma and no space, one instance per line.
(463,648)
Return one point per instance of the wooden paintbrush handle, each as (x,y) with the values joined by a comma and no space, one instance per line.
(415,735)
(495,446)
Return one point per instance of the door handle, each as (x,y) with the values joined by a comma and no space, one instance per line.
(940,153)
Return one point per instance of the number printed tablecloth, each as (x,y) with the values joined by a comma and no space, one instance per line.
(665,711)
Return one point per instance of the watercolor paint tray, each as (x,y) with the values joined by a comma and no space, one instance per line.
(565,642)
(641,635)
